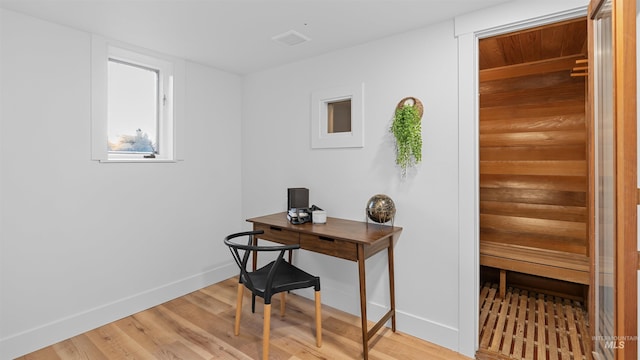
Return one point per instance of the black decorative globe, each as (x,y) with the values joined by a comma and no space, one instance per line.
(380,208)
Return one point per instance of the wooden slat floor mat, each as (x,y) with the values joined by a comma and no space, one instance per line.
(531,326)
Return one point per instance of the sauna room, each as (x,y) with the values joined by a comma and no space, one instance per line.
(534,206)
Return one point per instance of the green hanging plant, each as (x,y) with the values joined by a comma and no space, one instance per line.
(407,130)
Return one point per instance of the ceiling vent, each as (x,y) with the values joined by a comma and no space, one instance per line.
(290,38)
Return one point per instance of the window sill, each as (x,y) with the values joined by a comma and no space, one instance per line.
(138,161)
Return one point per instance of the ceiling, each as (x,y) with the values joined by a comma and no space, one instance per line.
(236,35)
(562,39)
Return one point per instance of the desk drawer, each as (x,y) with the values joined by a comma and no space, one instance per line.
(277,234)
(329,246)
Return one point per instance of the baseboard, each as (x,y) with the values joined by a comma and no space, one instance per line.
(431,331)
(31,340)
(425,329)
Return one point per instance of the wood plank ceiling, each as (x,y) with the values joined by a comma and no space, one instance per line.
(568,38)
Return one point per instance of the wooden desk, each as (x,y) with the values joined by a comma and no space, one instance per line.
(346,239)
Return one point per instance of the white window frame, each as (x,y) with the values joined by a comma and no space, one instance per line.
(171,83)
(321,138)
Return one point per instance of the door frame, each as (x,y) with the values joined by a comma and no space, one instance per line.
(468,30)
(626,194)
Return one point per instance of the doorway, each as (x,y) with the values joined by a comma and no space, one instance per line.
(533,193)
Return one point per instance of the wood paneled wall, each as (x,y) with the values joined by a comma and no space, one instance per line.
(533,156)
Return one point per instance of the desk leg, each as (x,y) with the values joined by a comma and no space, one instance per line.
(392,286)
(363,302)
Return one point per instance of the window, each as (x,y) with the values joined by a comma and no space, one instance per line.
(337,118)
(134,98)
(133,108)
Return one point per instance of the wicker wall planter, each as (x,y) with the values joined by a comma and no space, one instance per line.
(407,131)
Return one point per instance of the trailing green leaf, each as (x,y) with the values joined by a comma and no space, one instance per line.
(408,133)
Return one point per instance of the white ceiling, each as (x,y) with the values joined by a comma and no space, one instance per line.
(235,35)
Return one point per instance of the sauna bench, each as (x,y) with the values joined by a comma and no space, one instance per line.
(552,264)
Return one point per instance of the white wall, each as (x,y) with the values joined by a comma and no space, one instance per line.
(63,272)
(436,257)
(84,243)
(277,155)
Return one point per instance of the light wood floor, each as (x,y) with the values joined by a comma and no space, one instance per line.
(531,326)
(200,326)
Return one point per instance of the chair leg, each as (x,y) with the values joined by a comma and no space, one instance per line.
(266,332)
(318,321)
(236,329)
(282,303)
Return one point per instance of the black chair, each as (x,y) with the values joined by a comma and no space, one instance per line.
(278,276)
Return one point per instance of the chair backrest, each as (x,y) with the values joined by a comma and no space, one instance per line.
(241,254)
